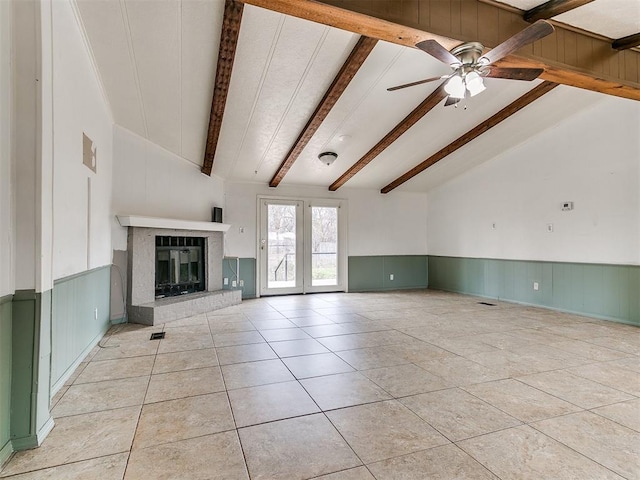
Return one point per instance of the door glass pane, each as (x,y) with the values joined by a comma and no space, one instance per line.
(324,246)
(281,246)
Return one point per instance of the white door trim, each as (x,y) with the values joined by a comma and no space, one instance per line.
(307,202)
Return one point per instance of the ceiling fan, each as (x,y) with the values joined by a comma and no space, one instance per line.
(470,66)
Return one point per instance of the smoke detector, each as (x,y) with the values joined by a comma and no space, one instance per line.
(327,157)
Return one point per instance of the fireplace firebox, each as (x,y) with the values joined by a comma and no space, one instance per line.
(179,265)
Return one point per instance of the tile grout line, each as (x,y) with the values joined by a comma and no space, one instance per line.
(135,430)
(233,417)
(576,451)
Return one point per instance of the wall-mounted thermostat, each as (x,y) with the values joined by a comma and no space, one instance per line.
(567,206)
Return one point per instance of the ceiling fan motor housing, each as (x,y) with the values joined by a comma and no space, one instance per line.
(468,53)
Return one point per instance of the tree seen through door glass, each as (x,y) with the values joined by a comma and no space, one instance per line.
(324,246)
(281,244)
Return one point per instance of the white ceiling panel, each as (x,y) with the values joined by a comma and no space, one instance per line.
(156,40)
(104,24)
(326,60)
(255,47)
(292,80)
(366,112)
(611,18)
(157,61)
(436,130)
(524,4)
(201,23)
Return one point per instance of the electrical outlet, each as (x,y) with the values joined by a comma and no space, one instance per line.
(494,226)
(95,313)
(241,283)
(391,276)
(536,286)
(241,229)
(225,281)
(233,284)
(550,227)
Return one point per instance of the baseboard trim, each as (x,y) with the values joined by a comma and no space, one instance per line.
(537,305)
(389,289)
(24,443)
(45,430)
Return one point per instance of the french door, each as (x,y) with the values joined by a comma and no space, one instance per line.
(301,246)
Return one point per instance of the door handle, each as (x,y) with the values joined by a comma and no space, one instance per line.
(262,243)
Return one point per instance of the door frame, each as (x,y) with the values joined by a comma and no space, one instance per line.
(307,203)
(262,258)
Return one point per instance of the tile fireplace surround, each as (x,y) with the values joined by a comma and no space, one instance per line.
(142,306)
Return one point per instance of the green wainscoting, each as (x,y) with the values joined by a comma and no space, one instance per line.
(372,273)
(5,376)
(24,341)
(248,276)
(75,326)
(237,269)
(610,292)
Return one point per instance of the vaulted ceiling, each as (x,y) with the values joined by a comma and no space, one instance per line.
(293,88)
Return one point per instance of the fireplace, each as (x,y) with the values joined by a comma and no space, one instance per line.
(179,266)
(174,269)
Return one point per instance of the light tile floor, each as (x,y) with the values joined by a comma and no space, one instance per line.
(401,385)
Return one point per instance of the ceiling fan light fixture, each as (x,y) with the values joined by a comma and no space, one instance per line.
(474,83)
(455,87)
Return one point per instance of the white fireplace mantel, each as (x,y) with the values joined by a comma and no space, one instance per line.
(170,223)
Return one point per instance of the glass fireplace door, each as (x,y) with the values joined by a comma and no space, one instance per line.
(179,266)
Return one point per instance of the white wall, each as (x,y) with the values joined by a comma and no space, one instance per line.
(81,223)
(391,224)
(592,159)
(151,181)
(6,172)
(23,139)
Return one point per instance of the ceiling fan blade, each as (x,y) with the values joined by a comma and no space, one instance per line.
(526,74)
(436,50)
(451,101)
(419,82)
(533,32)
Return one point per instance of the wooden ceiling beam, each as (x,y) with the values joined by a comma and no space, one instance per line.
(627,42)
(410,120)
(552,8)
(475,132)
(226,54)
(351,66)
(451,22)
